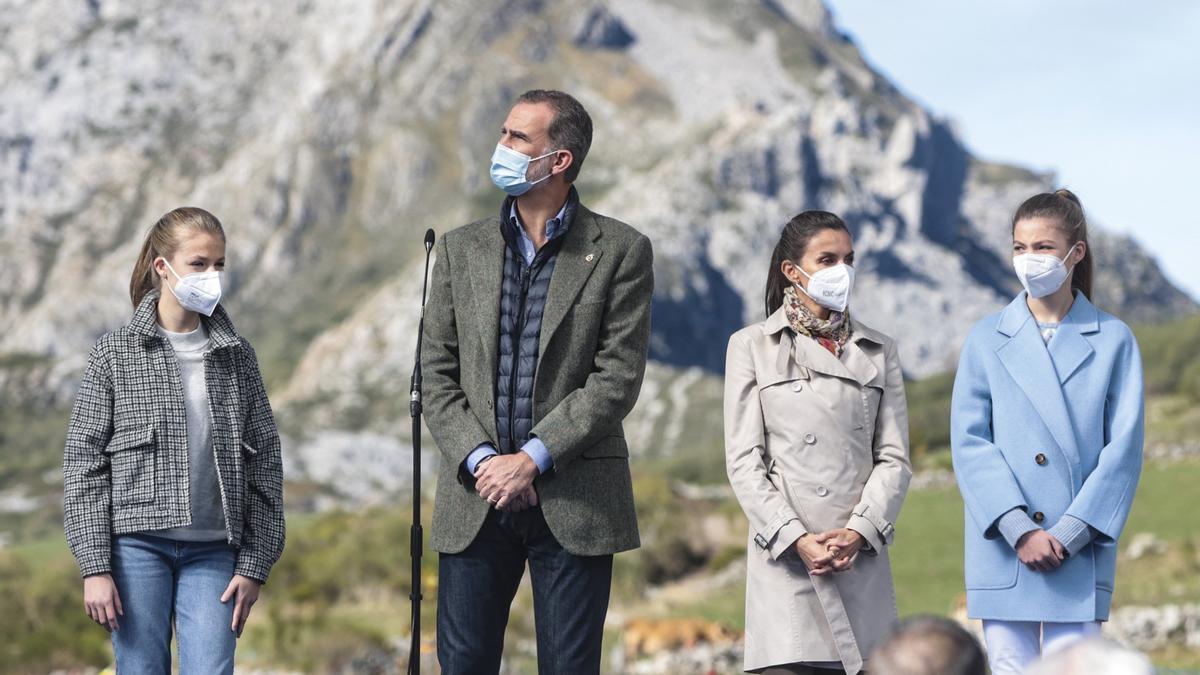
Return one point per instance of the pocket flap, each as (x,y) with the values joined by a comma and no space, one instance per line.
(609,446)
(249,448)
(132,437)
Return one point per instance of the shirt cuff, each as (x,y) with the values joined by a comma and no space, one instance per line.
(785,539)
(537,451)
(1072,533)
(473,459)
(1014,524)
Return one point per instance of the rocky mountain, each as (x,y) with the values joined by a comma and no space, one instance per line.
(329,135)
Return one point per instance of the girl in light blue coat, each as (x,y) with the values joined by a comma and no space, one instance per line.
(1046,428)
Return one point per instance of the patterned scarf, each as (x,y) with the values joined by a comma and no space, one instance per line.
(831,333)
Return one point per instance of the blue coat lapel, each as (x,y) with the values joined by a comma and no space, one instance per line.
(1069,349)
(1028,362)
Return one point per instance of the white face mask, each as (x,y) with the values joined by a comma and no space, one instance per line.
(830,286)
(199,292)
(1041,274)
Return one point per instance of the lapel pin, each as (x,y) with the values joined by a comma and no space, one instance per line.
(590,257)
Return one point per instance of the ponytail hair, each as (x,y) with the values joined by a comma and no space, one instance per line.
(1063,206)
(793,242)
(164,239)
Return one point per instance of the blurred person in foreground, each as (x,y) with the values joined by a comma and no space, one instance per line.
(1093,656)
(928,645)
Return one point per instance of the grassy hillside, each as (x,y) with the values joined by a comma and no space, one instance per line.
(340,593)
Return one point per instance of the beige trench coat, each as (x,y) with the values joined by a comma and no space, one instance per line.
(814,443)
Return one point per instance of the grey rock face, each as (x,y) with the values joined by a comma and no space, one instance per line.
(328,135)
(600,29)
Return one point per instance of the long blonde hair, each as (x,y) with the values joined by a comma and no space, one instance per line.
(163,239)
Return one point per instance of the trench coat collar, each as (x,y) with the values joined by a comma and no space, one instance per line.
(1041,369)
(221,332)
(796,356)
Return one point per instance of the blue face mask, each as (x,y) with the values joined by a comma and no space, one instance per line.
(509,169)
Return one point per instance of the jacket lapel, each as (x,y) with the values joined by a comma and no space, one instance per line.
(573,264)
(1028,362)
(486,267)
(1069,348)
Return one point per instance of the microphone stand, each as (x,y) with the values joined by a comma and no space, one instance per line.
(416,536)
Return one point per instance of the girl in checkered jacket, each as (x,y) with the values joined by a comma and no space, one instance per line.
(173,481)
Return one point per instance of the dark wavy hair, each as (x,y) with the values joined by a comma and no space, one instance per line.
(793,242)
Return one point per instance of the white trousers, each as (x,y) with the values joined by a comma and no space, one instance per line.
(1013,645)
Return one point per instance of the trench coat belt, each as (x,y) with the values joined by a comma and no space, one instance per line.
(835,614)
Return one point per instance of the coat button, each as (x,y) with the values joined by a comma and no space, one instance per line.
(797,385)
(1040,459)
(1038,516)
(821,491)
(809,438)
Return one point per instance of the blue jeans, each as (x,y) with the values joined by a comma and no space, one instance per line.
(476,588)
(162,579)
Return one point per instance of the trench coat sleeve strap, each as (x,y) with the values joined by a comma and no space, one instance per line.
(876,512)
(988,486)
(1106,496)
(788,535)
(765,506)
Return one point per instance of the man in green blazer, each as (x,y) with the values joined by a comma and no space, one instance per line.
(536,333)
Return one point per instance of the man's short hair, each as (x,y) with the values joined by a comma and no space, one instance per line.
(928,645)
(571,128)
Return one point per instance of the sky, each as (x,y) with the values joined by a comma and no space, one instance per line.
(1104,93)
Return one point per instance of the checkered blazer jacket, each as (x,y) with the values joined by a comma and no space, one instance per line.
(125,464)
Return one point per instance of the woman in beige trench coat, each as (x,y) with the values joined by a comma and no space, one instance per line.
(816,443)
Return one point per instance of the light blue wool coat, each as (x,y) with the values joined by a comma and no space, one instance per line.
(1078,403)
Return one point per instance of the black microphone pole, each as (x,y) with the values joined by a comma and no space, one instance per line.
(417,537)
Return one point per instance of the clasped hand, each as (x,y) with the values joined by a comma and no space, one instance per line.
(1040,551)
(829,552)
(506,481)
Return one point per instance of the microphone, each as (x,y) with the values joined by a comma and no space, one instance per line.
(416,536)
(415,389)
